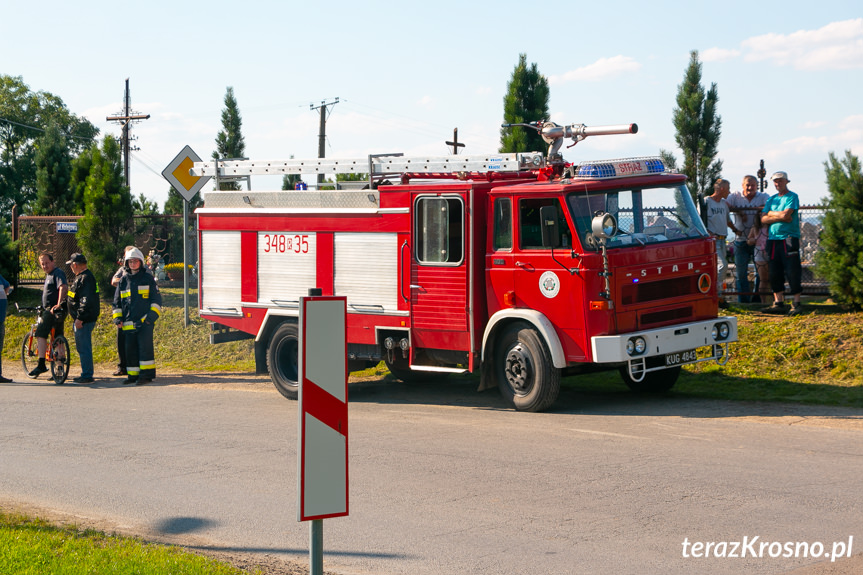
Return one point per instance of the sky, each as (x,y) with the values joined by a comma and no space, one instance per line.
(789,75)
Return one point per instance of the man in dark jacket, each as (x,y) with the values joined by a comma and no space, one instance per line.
(137,306)
(83,300)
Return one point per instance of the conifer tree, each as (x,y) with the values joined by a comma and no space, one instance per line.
(229,141)
(53,172)
(106,226)
(526,101)
(698,128)
(841,260)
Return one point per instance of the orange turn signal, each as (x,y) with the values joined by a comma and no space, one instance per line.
(509,299)
(599,305)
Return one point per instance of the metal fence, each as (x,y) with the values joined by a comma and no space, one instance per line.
(58,235)
(811,225)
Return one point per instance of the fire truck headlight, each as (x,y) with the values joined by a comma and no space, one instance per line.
(720,331)
(389,343)
(635,346)
(604,226)
(404,344)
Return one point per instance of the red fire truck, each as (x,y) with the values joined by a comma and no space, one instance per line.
(522,267)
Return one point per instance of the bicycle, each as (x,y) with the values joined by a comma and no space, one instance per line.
(56,352)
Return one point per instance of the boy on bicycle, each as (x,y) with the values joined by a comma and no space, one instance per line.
(54,302)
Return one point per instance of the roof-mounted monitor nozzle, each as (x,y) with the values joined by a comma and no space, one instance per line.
(553,134)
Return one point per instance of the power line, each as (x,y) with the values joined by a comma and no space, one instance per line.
(40,129)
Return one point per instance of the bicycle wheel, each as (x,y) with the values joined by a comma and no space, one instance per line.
(60,359)
(29,353)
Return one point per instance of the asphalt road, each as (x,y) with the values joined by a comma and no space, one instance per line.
(446,480)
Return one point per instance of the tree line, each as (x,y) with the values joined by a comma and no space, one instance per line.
(51,163)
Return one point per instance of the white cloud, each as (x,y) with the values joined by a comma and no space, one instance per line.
(813,125)
(836,46)
(425,101)
(718,55)
(602,69)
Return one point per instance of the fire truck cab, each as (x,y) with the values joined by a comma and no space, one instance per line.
(522,267)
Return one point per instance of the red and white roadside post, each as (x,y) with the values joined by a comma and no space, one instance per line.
(322,490)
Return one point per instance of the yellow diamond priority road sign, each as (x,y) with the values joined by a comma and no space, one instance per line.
(177,173)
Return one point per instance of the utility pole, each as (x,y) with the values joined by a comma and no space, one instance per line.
(125,118)
(322,132)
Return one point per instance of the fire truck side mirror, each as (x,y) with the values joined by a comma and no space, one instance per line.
(604,226)
(550,233)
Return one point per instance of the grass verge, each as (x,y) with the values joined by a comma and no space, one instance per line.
(33,546)
(816,357)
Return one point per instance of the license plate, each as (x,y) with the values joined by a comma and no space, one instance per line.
(681,357)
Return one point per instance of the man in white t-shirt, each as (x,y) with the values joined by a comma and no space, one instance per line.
(718,220)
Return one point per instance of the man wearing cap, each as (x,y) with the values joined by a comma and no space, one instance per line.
(54,301)
(781,213)
(83,303)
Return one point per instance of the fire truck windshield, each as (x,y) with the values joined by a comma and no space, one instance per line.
(644,215)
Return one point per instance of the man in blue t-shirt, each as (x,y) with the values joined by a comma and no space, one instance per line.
(782,214)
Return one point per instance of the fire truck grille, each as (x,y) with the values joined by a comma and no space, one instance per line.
(659,290)
(664,316)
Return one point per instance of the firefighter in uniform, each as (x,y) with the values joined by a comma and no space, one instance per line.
(137,306)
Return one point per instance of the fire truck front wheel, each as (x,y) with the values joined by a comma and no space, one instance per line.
(524,369)
(282,360)
(653,382)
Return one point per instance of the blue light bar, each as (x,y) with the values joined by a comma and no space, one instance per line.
(622,168)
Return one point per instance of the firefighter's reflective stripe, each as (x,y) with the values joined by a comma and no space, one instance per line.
(144,291)
(128,326)
(125,293)
(150,365)
(156,308)
(133,371)
(71,294)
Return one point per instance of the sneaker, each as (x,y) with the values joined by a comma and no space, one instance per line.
(83,380)
(5,379)
(795,310)
(777,308)
(38,370)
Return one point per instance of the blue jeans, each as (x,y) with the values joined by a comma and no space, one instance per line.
(3,304)
(743,254)
(84,345)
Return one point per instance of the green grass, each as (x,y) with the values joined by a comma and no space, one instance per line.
(816,357)
(33,546)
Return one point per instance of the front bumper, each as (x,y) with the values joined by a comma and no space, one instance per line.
(664,341)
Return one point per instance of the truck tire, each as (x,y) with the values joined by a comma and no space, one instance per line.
(283,360)
(526,376)
(653,382)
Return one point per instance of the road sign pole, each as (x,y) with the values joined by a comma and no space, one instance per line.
(316,547)
(186,321)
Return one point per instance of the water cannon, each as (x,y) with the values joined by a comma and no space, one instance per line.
(553,134)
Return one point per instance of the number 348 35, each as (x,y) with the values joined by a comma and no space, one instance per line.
(283,243)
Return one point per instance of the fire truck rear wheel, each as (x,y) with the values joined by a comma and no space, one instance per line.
(653,382)
(525,373)
(282,360)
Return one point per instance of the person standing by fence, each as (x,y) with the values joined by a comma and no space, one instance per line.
(782,214)
(5,288)
(746,206)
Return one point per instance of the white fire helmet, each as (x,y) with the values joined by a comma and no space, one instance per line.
(133,253)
